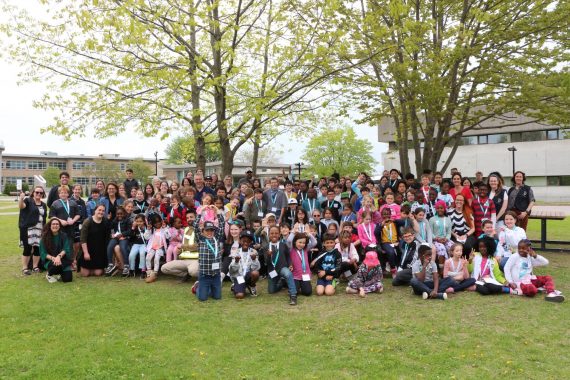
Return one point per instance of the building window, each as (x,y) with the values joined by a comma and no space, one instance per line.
(29,180)
(80,165)
(552,134)
(565,180)
(37,165)
(81,180)
(533,136)
(499,138)
(123,166)
(468,140)
(11,180)
(483,139)
(58,165)
(11,164)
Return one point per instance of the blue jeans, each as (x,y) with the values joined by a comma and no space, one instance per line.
(420,286)
(503,263)
(388,252)
(209,286)
(137,249)
(275,284)
(123,244)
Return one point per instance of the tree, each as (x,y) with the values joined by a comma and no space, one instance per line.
(141,170)
(51,175)
(182,150)
(106,170)
(338,151)
(265,155)
(438,69)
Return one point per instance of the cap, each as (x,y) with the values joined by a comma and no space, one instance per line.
(246,234)
(248,170)
(345,195)
(207,178)
(209,226)
(292,201)
(270,215)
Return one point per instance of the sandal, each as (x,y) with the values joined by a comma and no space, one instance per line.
(26,272)
(36,270)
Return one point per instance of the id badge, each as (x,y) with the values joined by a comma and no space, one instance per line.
(399,269)
(306,277)
(480,283)
(273,274)
(260,214)
(240,279)
(347,274)
(273,209)
(372,245)
(215,266)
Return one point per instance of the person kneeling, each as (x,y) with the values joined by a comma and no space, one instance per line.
(55,251)
(244,269)
(368,278)
(278,264)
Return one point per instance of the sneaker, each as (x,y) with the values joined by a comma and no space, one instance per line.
(126,271)
(195,287)
(554,297)
(132,273)
(109,268)
(51,279)
(253,291)
(515,292)
(293,300)
(441,296)
(143,274)
(26,272)
(450,290)
(540,289)
(425,295)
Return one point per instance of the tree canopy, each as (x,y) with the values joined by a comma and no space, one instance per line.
(338,151)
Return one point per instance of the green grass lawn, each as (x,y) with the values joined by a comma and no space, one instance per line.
(105,328)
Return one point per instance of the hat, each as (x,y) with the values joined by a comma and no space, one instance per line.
(292,201)
(209,226)
(371,259)
(248,170)
(344,195)
(246,234)
(208,178)
(270,215)
(440,203)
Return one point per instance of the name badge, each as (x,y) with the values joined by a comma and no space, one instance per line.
(393,245)
(273,274)
(306,277)
(399,269)
(480,283)
(260,214)
(273,209)
(240,279)
(347,274)
(215,266)
(372,245)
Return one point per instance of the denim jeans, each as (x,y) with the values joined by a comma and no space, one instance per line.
(419,286)
(123,244)
(209,286)
(276,284)
(137,249)
(388,255)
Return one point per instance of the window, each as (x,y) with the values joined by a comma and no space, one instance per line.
(553,181)
(483,139)
(29,180)
(123,166)
(552,134)
(81,180)
(80,165)
(533,135)
(516,137)
(499,138)
(58,165)
(565,180)
(468,140)
(37,165)
(10,164)
(11,180)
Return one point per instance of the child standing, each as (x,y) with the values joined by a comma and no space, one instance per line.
(327,265)
(155,248)
(244,268)
(174,235)
(368,279)
(138,246)
(518,272)
(209,257)
(456,270)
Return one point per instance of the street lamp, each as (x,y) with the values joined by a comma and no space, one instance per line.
(2,148)
(156,163)
(513,150)
(298,165)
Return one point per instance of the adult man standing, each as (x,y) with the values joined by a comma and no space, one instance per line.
(53,193)
(248,177)
(275,199)
(201,187)
(130,182)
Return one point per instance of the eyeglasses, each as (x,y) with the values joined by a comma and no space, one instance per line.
(39,192)
(316,215)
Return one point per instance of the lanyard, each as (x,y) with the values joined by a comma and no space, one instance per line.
(274,198)
(483,210)
(484,267)
(426,193)
(329,204)
(244,262)
(389,225)
(441,228)
(214,249)
(422,230)
(368,232)
(141,235)
(311,208)
(302,257)
(119,226)
(172,212)
(301,228)
(141,206)
(405,254)
(276,257)
(455,269)
(259,205)
(66,207)
(346,218)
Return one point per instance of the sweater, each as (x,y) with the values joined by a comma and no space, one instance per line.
(492,264)
(440,227)
(60,243)
(329,262)
(519,269)
(509,241)
(245,265)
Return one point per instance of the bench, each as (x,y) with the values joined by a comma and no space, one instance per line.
(544,215)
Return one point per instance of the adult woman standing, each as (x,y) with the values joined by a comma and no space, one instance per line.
(458,188)
(101,186)
(95,235)
(521,199)
(462,225)
(33,212)
(499,196)
(65,209)
(164,189)
(55,250)
(112,200)
(82,211)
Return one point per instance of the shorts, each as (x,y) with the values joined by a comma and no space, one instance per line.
(323,282)
(240,288)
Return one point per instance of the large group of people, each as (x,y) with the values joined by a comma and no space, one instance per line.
(439,236)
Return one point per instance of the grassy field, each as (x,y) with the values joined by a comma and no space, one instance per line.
(125,329)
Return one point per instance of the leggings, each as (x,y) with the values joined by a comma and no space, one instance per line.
(155,256)
(488,289)
(172,252)
(29,250)
(304,287)
(66,275)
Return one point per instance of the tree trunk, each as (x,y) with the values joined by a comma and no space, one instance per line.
(199,140)
(256,145)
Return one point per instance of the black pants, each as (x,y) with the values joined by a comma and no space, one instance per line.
(403,277)
(304,287)
(66,275)
(344,266)
(489,289)
(468,246)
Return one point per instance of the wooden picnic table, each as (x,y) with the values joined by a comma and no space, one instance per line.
(544,215)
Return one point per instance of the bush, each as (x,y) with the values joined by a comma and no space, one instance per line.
(25,187)
(9,188)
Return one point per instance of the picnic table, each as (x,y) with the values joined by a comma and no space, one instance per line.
(545,214)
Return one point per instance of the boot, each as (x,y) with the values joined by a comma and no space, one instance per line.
(293,300)
(151,277)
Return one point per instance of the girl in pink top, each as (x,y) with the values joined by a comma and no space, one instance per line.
(368,206)
(394,207)
(208,213)
(366,230)
(174,234)
(300,264)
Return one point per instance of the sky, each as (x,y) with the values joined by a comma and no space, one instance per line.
(20,125)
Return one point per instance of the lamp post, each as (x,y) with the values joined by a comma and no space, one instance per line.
(1,179)
(298,165)
(156,163)
(513,150)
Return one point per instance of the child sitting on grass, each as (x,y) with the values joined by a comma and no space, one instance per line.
(456,269)
(426,282)
(485,269)
(327,265)
(368,278)
(518,272)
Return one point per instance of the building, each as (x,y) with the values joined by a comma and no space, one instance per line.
(542,152)
(264,171)
(80,167)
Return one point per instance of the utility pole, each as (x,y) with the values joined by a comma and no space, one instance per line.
(513,150)
(156,163)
